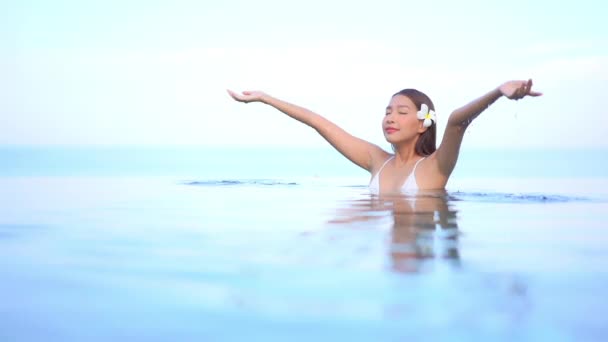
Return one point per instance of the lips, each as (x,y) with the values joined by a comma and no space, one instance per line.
(390,130)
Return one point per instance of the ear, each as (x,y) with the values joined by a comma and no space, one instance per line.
(421,129)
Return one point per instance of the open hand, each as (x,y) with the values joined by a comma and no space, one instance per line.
(516,90)
(247,96)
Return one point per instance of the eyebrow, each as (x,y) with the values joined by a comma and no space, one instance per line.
(400,106)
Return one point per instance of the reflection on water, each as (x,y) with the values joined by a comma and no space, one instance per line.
(102,259)
(424,227)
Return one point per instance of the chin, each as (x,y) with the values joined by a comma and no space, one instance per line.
(390,139)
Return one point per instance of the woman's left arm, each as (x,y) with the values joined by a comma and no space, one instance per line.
(447,152)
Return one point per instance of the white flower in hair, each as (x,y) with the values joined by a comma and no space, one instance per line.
(427,115)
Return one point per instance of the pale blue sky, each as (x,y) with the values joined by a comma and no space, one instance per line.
(155,72)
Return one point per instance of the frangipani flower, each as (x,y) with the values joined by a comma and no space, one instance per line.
(427,115)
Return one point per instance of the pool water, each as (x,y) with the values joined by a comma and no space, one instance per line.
(164,258)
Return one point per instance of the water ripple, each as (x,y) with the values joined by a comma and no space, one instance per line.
(233,182)
(498,197)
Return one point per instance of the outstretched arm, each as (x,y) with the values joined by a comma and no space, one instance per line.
(359,151)
(447,152)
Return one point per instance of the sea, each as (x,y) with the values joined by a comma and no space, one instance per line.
(166,243)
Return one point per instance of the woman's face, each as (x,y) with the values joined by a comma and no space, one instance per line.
(401,121)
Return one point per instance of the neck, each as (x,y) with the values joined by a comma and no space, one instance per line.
(405,153)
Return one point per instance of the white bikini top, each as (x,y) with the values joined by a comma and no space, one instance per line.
(408,186)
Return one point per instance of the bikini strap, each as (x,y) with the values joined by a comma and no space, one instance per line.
(383,165)
(416,165)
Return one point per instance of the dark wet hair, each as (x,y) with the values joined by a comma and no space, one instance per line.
(425,145)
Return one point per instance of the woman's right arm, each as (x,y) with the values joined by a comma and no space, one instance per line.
(358,151)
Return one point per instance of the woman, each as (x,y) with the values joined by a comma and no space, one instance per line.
(410,126)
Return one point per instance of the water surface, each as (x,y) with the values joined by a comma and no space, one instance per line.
(301,256)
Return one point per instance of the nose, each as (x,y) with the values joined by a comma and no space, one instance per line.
(389,118)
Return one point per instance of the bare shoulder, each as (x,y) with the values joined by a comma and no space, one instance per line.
(378,157)
(428,174)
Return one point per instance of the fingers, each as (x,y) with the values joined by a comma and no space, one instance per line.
(528,86)
(520,91)
(524,89)
(231,93)
(237,96)
(529,91)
